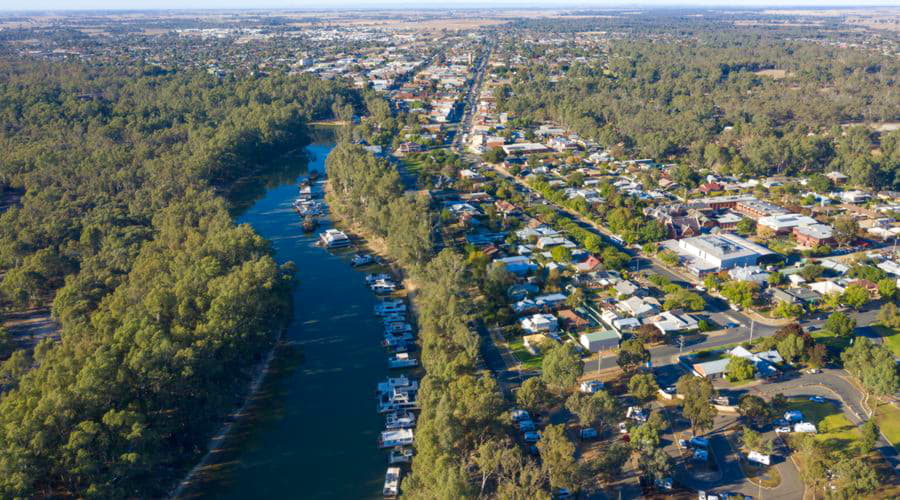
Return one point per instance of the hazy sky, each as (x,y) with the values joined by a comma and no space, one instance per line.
(259,4)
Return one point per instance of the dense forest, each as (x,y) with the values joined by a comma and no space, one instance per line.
(164,304)
(705,100)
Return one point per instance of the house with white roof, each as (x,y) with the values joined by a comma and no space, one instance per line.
(637,307)
(538,323)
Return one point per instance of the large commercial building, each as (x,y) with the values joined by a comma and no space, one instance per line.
(711,253)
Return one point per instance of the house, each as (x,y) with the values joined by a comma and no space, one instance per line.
(749,273)
(837,178)
(625,288)
(637,307)
(669,322)
(814,235)
(763,363)
(710,369)
(796,295)
(826,287)
(588,264)
(709,187)
(602,340)
(571,320)
(537,323)
(518,265)
(856,197)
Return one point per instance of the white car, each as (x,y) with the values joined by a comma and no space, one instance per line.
(623,428)
(783,430)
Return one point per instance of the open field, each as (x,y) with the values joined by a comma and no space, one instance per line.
(888,418)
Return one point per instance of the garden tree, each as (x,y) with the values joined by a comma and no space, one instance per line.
(785,309)
(831,301)
(819,183)
(575,298)
(498,459)
(816,458)
(869,435)
(669,258)
(655,463)
(855,296)
(561,367)
(845,230)
(712,282)
(865,271)
(887,288)
(643,386)
(873,365)
(791,347)
(889,315)
(632,355)
(840,324)
(683,299)
(856,478)
(811,271)
(739,369)
(817,356)
(742,293)
(648,334)
(557,456)
(755,410)
(746,226)
(614,259)
(608,465)
(607,406)
(533,395)
(643,436)
(527,482)
(494,155)
(776,279)
(754,441)
(778,403)
(585,407)
(561,254)
(697,392)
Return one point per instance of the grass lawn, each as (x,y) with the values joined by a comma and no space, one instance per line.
(529,361)
(834,430)
(830,340)
(891,337)
(888,417)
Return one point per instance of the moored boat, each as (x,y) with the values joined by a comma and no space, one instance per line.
(391,483)
(309,223)
(333,238)
(400,455)
(402,360)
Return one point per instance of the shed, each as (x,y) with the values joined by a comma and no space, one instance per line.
(602,340)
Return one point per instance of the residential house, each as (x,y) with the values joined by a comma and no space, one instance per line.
(538,323)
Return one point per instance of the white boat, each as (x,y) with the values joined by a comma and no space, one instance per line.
(401,382)
(396,437)
(383,287)
(392,483)
(361,259)
(306,192)
(400,456)
(400,420)
(402,360)
(333,238)
(373,278)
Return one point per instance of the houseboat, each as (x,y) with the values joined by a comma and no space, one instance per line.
(383,287)
(333,238)
(392,483)
(398,327)
(361,259)
(396,437)
(306,192)
(401,382)
(402,360)
(391,340)
(388,307)
(393,318)
(400,456)
(371,279)
(400,420)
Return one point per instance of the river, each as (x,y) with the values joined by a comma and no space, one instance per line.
(313,432)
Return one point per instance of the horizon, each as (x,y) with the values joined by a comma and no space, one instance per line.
(45,6)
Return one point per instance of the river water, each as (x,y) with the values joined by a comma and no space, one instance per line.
(314,430)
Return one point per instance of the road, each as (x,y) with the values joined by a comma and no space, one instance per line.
(471,100)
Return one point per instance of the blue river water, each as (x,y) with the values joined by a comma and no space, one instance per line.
(314,431)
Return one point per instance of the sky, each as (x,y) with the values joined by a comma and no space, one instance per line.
(374,4)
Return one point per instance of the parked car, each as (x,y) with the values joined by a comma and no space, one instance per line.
(782,430)
(813,371)
(623,428)
(589,433)
(683,443)
(732,324)
(531,437)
